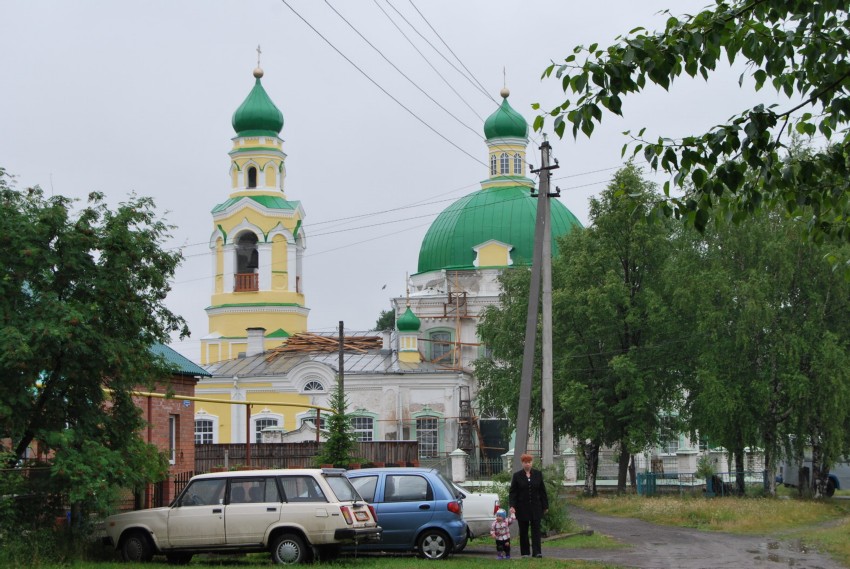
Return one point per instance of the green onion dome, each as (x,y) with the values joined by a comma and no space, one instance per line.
(408,322)
(257,115)
(505,122)
(506,214)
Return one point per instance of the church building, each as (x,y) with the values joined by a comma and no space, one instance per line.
(413,383)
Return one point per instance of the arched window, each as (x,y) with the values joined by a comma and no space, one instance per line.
(314,385)
(504,163)
(362,428)
(492,164)
(260,424)
(441,348)
(252,177)
(517,164)
(203,432)
(427,435)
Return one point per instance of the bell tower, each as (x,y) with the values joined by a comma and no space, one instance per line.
(257,242)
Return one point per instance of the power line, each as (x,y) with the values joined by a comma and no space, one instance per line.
(402,73)
(376,84)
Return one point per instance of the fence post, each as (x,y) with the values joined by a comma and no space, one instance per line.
(570,467)
(507,460)
(459,459)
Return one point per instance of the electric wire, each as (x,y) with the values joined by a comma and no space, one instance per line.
(376,84)
(402,73)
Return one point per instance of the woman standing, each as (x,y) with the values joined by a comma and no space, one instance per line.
(529,503)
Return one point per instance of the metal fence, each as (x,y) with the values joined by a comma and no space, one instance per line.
(720,484)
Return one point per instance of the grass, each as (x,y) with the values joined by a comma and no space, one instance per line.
(735,515)
(821,524)
(394,562)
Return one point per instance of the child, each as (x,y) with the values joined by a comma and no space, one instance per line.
(500,529)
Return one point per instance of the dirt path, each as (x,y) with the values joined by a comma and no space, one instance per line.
(662,547)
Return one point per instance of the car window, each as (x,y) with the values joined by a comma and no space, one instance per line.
(407,488)
(343,489)
(207,492)
(459,492)
(301,489)
(365,486)
(253,490)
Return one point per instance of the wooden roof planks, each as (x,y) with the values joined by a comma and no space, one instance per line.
(309,343)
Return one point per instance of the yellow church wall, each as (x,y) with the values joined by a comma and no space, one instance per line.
(280,277)
(234,325)
(234,178)
(219,266)
(227,414)
(493,255)
(270,176)
(263,296)
(263,221)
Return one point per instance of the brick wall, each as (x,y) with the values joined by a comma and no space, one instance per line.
(158,412)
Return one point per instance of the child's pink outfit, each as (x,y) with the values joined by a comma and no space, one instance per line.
(500,529)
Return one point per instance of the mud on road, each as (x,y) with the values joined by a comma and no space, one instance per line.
(653,546)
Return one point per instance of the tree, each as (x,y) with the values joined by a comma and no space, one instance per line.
(386,320)
(773,356)
(81,303)
(798,47)
(617,343)
(338,447)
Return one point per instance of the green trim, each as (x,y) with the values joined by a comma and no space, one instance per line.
(249,133)
(268,202)
(256,304)
(280,272)
(253,148)
(297,227)
(279,333)
(223,232)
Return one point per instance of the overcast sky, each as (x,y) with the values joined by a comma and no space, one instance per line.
(123,97)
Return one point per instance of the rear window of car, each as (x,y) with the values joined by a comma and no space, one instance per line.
(302,489)
(343,489)
(366,486)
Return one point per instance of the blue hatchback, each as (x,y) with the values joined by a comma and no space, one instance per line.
(417,509)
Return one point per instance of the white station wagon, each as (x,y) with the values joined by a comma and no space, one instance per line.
(294,514)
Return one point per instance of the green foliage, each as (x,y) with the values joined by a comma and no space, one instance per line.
(798,47)
(339,446)
(386,320)
(705,467)
(82,294)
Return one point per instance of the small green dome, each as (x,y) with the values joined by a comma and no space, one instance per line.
(257,115)
(505,122)
(506,214)
(408,322)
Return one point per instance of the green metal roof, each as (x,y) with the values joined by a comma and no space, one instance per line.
(505,122)
(408,322)
(279,333)
(257,115)
(181,364)
(268,202)
(505,214)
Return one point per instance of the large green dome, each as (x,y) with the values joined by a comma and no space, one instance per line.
(505,122)
(506,214)
(257,115)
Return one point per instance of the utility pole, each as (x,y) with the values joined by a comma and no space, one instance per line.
(541,228)
(341,382)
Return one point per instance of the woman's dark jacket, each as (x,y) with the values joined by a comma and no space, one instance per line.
(528,498)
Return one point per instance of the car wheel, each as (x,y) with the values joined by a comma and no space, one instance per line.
(289,549)
(136,547)
(178,558)
(434,544)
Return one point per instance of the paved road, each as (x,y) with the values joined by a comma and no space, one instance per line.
(663,547)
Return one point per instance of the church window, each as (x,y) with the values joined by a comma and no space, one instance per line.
(441,348)
(427,431)
(261,424)
(517,164)
(314,386)
(310,419)
(492,164)
(503,163)
(203,432)
(252,177)
(362,428)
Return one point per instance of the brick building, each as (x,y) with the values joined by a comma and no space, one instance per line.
(171,422)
